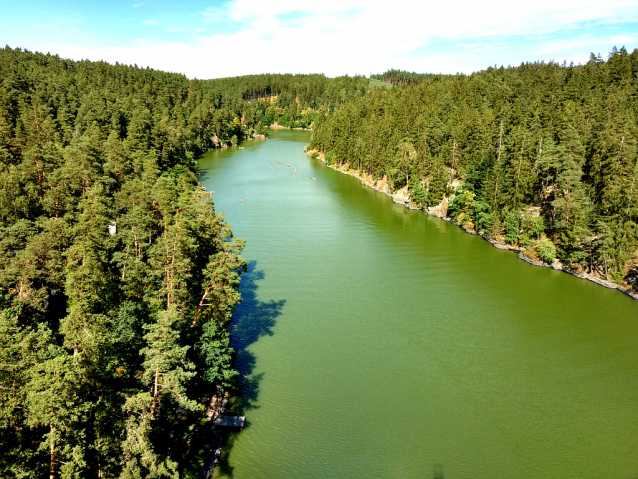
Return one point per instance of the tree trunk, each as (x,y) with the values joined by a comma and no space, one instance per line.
(52,463)
(154,406)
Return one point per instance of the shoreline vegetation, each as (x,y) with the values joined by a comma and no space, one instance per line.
(118,278)
(402,197)
(540,156)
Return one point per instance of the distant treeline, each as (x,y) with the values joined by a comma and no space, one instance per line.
(546,155)
(293,100)
(400,77)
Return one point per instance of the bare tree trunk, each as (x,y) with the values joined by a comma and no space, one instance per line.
(52,463)
(154,406)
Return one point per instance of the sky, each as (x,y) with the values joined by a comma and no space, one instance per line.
(215,39)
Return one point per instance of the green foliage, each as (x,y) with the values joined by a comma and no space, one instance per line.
(533,226)
(511,226)
(329,157)
(570,247)
(117,278)
(483,216)
(546,250)
(419,195)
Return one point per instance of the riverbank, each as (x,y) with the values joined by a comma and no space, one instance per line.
(277,126)
(402,197)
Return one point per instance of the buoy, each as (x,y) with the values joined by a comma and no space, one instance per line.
(242,200)
(314,179)
(271,163)
(275,174)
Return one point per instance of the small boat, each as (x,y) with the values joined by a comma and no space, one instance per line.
(314,179)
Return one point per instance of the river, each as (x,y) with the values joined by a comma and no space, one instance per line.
(379,342)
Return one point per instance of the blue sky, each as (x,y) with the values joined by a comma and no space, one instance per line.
(212,39)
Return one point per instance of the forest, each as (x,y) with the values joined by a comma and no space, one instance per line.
(542,155)
(118,278)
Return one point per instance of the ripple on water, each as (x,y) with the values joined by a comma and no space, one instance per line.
(385,343)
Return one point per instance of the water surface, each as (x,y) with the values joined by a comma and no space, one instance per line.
(378,342)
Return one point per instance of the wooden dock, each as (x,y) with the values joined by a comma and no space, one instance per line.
(230,421)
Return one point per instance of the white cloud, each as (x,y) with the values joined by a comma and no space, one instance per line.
(150,22)
(357,36)
(584,42)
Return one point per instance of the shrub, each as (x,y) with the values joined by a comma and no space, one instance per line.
(454,208)
(483,216)
(511,224)
(329,158)
(524,240)
(546,250)
(418,195)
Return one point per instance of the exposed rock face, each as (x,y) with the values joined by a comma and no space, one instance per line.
(532,261)
(440,210)
(401,196)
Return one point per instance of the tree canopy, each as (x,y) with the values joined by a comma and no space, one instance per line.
(118,278)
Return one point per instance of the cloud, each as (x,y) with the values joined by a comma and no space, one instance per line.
(174,30)
(359,36)
(139,4)
(150,22)
(583,42)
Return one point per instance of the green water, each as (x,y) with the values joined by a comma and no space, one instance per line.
(379,342)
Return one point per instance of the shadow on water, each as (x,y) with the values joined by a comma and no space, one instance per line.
(252,320)
(437,472)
